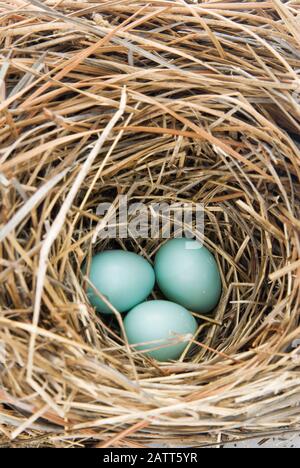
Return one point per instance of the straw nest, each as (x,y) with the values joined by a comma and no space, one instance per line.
(160,100)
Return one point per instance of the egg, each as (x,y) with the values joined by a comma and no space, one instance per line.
(124,278)
(159,321)
(187,273)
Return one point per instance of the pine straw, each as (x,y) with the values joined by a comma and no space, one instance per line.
(162,101)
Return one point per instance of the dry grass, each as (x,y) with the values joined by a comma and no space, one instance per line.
(159,100)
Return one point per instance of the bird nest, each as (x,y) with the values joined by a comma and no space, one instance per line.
(176,101)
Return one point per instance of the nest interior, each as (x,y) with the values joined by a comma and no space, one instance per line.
(160,101)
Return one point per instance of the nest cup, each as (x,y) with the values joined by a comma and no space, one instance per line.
(184,104)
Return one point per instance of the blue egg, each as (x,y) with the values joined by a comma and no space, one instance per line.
(124,278)
(187,273)
(156,326)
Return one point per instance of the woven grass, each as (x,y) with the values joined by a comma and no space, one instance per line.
(160,100)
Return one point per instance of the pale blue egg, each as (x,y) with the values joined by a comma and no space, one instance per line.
(124,278)
(187,273)
(160,322)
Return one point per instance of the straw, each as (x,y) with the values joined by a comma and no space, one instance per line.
(163,101)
